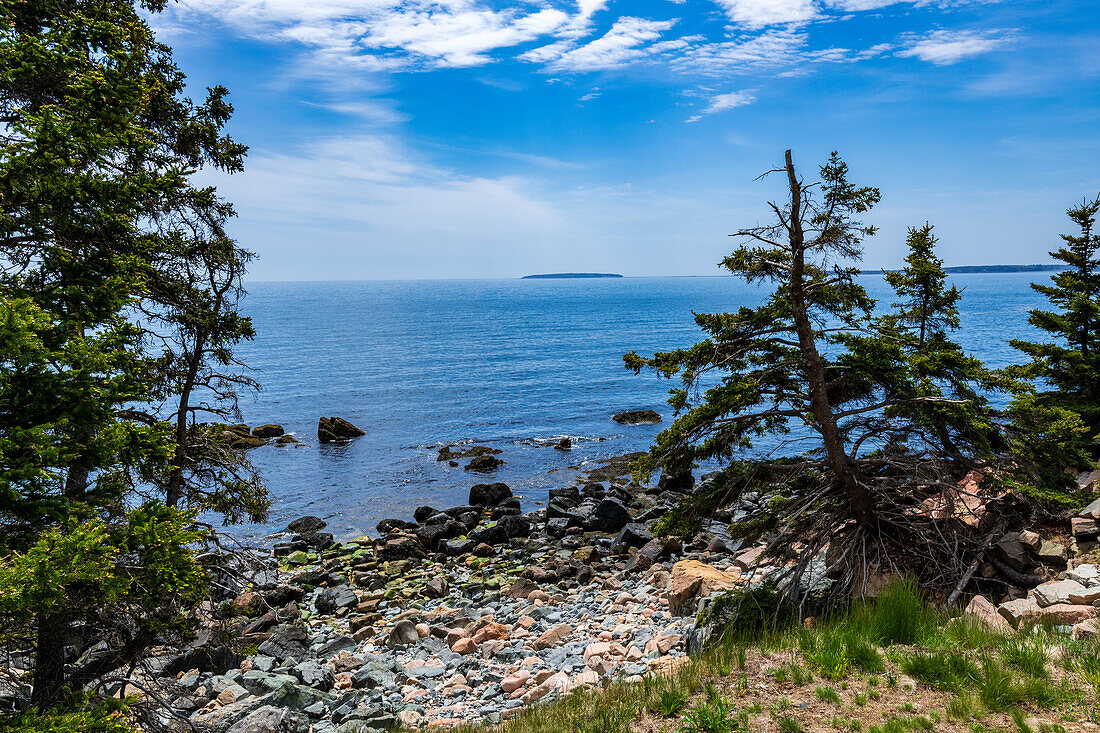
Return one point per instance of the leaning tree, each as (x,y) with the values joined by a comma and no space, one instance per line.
(858,424)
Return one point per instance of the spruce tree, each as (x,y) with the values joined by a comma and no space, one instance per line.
(1066,368)
(97,151)
(869,417)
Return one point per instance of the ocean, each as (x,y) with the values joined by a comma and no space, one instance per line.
(512,364)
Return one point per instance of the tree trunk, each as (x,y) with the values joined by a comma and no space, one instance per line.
(860,501)
(48,680)
(175,480)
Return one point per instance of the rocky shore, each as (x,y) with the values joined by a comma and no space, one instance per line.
(472,613)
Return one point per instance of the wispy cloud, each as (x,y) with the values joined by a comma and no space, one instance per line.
(723,102)
(626,41)
(760,13)
(944,47)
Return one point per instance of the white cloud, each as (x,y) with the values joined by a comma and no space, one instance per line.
(945,47)
(760,13)
(723,102)
(388,34)
(625,41)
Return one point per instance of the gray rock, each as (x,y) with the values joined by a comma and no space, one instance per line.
(314,675)
(269,719)
(610,516)
(1053,553)
(287,641)
(404,632)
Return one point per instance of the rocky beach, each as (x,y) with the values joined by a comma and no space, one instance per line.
(470,614)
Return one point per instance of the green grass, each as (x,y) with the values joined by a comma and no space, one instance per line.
(1026,654)
(828,694)
(789,725)
(670,702)
(715,714)
(950,671)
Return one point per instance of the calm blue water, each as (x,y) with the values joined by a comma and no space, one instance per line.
(515,364)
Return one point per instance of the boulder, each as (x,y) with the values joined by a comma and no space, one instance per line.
(489,495)
(1092,511)
(401,547)
(692,580)
(637,417)
(610,516)
(268,431)
(423,512)
(1086,629)
(336,430)
(431,535)
(270,719)
(403,632)
(484,464)
(632,535)
(331,599)
(1084,527)
(565,444)
(1020,610)
(982,609)
(515,526)
(681,483)
(306,525)
(1053,553)
(288,641)
(1058,591)
(567,497)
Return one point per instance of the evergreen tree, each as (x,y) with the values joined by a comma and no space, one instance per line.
(881,407)
(1067,368)
(97,213)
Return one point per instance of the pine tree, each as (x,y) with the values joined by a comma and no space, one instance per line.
(97,151)
(1067,367)
(881,411)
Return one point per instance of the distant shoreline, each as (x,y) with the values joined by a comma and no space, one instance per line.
(569,276)
(970,269)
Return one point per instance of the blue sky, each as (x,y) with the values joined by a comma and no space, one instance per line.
(470,138)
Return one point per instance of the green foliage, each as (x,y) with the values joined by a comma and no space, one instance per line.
(886,405)
(118,293)
(78,716)
(828,694)
(1067,366)
(1026,654)
(745,613)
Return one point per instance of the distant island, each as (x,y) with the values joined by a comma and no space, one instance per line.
(569,275)
(964,269)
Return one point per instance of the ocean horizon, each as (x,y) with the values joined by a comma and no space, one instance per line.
(512,364)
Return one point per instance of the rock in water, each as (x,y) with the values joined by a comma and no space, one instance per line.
(336,430)
(267,431)
(307,525)
(564,444)
(638,417)
(483,464)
